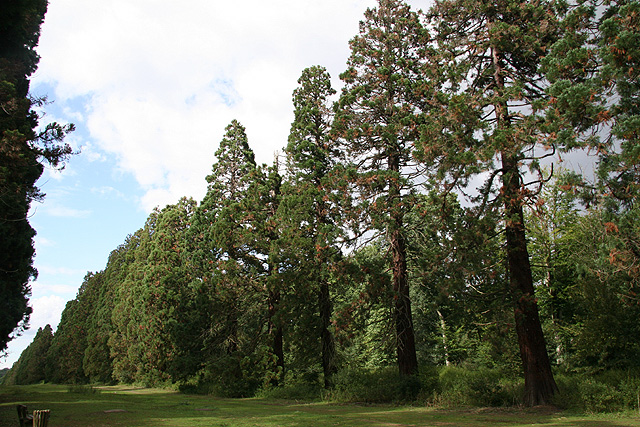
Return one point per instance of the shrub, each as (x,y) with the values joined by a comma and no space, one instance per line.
(607,391)
(379,386)
(477,387)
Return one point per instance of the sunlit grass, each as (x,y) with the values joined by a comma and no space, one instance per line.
(133,406)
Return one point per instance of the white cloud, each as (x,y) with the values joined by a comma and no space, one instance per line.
(64,271)
(57,210)
(43,242)
(46,311)
(162,79)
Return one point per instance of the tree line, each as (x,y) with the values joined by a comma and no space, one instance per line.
(416,220)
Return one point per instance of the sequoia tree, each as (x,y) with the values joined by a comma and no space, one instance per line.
(376,125)
(482,122)
(23,149)
(308,215)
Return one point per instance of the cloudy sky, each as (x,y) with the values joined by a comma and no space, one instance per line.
(151,85)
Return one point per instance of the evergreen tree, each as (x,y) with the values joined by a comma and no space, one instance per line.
(308,217)
(483,118)
(260,207)
(70,342)
(550,223)
(593,69)
(457,282)
(23,150)
(127,347)
(226,262)
(31,367)
(376,122)
(151,308)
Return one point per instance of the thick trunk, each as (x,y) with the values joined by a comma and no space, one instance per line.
(405,339)
(405,345)
(329,367)
(539,383)
(538,379)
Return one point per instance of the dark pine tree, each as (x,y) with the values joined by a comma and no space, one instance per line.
(22,152)
(309,216)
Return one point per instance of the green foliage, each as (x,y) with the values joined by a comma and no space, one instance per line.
(482,121)
(255,290)
(23,153)
(477,387)
(32,366)
(375,125)
(610,391)
(374,386)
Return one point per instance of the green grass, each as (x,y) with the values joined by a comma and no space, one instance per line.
(130,406)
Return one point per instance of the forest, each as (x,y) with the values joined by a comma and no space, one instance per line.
(419,238)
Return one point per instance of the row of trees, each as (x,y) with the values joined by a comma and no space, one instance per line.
(414,220)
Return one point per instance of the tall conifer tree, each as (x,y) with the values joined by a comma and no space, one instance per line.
(482,119)
(218,223)
(376,124)
(22,152)
(308,213)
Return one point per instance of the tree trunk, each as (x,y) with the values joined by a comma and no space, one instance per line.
(405,339)
(276,333)
(539,383)
(445,343)
(326,338)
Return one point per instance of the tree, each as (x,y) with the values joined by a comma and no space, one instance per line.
(69,343)
(31,367)
(551,224)
(228,264)
(308,217)
(483,118)
(457,271)
(152,300)
(593,70)
(376,122)
(127,347)
(260,207)
(23,150)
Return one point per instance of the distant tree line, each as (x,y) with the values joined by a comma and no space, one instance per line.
(413,222)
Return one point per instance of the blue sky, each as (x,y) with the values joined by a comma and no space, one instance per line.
(150,86)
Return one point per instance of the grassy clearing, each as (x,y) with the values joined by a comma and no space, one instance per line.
(131,406)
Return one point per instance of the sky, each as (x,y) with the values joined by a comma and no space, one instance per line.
(150,86)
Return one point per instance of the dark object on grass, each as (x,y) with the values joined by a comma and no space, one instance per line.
(40,418)
(25,419)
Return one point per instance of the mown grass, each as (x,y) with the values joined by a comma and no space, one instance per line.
(131,406)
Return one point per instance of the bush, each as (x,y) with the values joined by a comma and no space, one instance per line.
(608,391)
(379,386)
(476,387)
(599,397)
(225,378)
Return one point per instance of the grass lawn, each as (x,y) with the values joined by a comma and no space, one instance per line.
(130,406)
